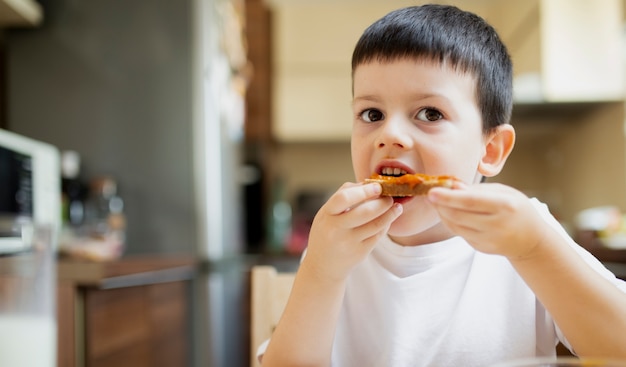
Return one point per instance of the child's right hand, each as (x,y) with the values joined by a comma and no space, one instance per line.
(347,227)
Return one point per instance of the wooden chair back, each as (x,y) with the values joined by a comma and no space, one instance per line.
(269,292)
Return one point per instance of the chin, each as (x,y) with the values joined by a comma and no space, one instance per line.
(406,226)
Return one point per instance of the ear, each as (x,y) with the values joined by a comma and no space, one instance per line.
(498,146)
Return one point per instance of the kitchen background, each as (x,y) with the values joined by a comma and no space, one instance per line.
(226,122)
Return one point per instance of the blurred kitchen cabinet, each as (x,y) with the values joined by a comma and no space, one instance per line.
(20,13)
(313,107)
(132,312)
(258,97)
(563,50)
(311,72)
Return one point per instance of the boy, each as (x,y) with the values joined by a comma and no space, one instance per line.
(469,276)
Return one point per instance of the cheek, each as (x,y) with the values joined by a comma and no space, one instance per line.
(360,161)
(461,158)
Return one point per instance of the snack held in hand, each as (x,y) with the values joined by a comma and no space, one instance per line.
(410,184)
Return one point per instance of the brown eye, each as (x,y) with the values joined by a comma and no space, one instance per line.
(371,115)
(429,114)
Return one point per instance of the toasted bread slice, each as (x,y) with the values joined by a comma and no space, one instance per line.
(410,184)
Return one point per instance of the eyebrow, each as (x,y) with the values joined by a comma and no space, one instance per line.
(369,98)
(416,96)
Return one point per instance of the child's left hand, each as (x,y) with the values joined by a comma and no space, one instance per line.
(493,218)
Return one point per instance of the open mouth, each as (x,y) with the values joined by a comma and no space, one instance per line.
(392,171)
(395,172)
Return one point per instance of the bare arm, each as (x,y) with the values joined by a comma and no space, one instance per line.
(498,219)
(589,309)
(344,231)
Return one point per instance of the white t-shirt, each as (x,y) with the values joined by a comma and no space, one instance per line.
(443,304)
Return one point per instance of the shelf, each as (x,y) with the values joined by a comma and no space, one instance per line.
(20,13)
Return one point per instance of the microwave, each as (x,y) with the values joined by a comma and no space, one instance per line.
(30,189)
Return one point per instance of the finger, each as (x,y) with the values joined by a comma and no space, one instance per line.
(366,212)
(445,199)
(378,226)
(464,222)
(350,196)
(472,199)
(459,185)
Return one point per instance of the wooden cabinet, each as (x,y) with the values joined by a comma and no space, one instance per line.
(258,96)
(131,312)
(311,68)
(563,50)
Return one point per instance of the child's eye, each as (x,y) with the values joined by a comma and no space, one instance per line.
(429,114)
(371,115)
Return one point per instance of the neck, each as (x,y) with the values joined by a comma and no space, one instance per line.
(436,233)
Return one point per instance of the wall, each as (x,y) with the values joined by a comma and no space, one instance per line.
(571,157)
(3,100)
(313,167)
(593,170)
(112,81)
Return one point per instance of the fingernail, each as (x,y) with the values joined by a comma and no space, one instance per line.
(432,196)
(398,208)
(376,189)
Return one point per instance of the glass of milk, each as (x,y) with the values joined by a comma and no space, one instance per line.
(28,330)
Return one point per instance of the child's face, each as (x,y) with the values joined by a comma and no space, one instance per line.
(418,117)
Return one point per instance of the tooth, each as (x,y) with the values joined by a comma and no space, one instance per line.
(396,171)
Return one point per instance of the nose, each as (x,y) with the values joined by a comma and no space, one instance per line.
(394,133)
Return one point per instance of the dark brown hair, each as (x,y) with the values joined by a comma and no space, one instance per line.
(447,34)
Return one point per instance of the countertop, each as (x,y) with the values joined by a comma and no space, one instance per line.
(127,271)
